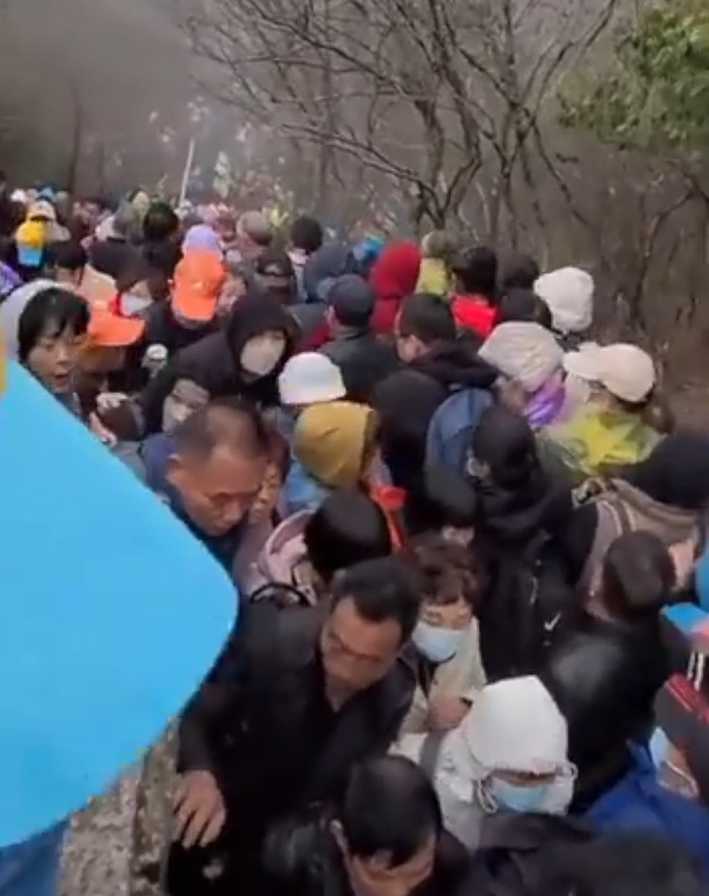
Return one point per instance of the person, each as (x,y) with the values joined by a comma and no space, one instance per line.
(51,332)
(298,697)
(161,230)
(529,360)
(383,836)
(509,754)
(437,250)
(253,236)
(274,273)
(568,293)
(69,261)
(446,641)
(306,550)
(202,238)
(244,357)
(190,313)
(610,431)
(112,253)
(517,271)
(524,305)
(363,359)
(521,509)
(307,378)
(667,495)
(138,288)
(322,269)
(443,502)
(306,237)
(334,446)
(393,278)
(475,300)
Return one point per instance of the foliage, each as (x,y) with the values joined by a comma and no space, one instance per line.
(656,94)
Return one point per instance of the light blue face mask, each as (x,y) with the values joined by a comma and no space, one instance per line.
(515,798)
(436,643)
(659,747)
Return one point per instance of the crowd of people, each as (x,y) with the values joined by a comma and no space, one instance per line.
(457,530)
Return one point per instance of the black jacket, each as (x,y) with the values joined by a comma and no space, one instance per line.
(263,726)
(114,257)
(162,328)
(303,859)
(364,361)
(456,365)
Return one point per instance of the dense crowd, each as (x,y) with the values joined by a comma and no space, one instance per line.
(465,540)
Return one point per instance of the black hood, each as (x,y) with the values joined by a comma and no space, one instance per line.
(515,515)
(457,365)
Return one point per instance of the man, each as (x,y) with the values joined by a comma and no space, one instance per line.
(253,236)
(69,260)
(275,275)
(306,237)
(210,471)
(363,359)
(295,701)
(113,253)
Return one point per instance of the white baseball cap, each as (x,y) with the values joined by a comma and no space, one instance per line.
(625,370)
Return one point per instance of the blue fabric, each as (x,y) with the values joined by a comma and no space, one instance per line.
(702,581)
(301,491)
(639,803)
(112,613)
(31,868)
(450,432)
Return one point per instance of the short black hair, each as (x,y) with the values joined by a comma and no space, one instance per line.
(276,262)
(52,311)
(477,270)
(231,421)
(526,306)
(388,806)
(428,318)
(519,271)
(347,528)
(382,589)
(160,222)
(638,576)
(439,497)
(306,234)
(68,255)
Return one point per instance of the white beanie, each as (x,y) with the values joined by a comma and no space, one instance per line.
(524,352)
(310,378)
(569,294)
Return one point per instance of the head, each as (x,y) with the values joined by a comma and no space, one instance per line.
(348,528)
(352,302)
(52,330)
(452,584)
(504,450)
(274,272)
(619,376)
(476,272)
(253,234)
(387,826)
(105,350)
(439,244)
(518,271)
(677,471)
(569,294)
(375,607)
(310,378)
(423,321)
(525,354)
(219,463)
(161,223)
(517,742)
(199,280)
(637,580)
(138,286)
(225,226)
(396,271)
(442,502)
(69,259)
(202,238)
(306,234)
(260,334)
(336,442)
(324,267)
(524,305)
(185,399)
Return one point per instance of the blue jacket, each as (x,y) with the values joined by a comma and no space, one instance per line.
(639,803)
(301,491)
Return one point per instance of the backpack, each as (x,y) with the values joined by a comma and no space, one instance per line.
(450,432)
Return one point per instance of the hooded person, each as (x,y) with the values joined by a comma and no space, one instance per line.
(530,362)
(610,431)
(522,507)
(568,292)
(243,358)
(394,276)
(509,754)
(11,309)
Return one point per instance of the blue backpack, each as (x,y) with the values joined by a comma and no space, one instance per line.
(450,432)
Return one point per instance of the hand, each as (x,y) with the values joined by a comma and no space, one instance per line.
(199,809)
(108,401)
(98,429)
(445,713)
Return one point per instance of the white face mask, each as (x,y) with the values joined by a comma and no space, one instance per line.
(134,306)
(262,353)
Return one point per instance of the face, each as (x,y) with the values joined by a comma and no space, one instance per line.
(356,652)
(185,398)
(217,492)
(54,358)
(375,876)
(456,616)
(262,353)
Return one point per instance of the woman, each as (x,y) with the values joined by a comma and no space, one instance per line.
(509,754)
(51,333)
(446,640)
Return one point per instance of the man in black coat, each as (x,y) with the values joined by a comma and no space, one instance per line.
(298,697)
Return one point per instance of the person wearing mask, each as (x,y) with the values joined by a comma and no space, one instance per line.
(383,836)
(667,494)
(190,313)
(306,237)
(522,508)
(51,333)
(393,278)
(297,699)
(568,293)
(112,253)
(244,357)
(509,754)
(475,300)
(161,237)
(445,642)
(307,549)
(363,359)
(610,430)
(139,287)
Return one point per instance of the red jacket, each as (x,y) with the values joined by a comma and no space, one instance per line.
(393,278)
(474,313)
